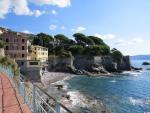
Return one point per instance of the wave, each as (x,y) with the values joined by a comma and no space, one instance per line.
(77,98)
(132,73)
(140,102)
(113,81)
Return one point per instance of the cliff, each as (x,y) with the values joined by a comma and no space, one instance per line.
(89,65)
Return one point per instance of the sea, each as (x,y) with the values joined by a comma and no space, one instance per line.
(128,92)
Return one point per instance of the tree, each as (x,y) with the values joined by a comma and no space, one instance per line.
(97,50)
(42,39)
(62,39)
(116,55)
(76,49)
(83,40)
(80,39)
(96,40)
(58,50)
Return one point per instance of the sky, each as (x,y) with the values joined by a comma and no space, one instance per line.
(122,24)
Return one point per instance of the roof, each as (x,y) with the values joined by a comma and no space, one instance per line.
(5,31)
(38,46)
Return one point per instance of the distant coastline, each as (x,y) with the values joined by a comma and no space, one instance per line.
(140,57)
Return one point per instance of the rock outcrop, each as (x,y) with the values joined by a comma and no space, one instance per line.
(146,63)
(89,65)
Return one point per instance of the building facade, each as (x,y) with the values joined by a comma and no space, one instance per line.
(16,45)
(39,53)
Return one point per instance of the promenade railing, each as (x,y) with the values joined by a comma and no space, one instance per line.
(37,99)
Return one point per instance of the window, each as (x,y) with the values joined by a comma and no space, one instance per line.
(7,40)
(6,47)
(23,48)
(23,55)
(23,40)
(34,63)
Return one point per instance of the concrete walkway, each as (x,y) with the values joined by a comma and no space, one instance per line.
(10,99)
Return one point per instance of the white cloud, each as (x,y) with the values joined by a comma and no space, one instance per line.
(4,8)
(63,27)
(132,41)
(54,12)
(59,3)
(21,7)
(38,13)
(105,37)
(26,31)
(137,40)
(53,27)
(78,29)
(72,30)
(120,42)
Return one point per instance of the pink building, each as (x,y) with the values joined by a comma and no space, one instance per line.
(17,45)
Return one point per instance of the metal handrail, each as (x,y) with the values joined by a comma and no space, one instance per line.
(29,95)
(54,99)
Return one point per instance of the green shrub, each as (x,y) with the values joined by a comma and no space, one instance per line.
(10,63)
(2,44)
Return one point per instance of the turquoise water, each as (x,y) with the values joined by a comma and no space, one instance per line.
(121,94)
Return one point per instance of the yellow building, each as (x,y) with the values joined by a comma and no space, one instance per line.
(39,53)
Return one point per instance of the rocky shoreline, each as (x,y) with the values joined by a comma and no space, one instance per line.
(78,102)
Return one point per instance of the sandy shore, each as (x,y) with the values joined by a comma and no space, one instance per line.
(52,77)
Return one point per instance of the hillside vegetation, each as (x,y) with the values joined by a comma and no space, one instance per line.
(80,45)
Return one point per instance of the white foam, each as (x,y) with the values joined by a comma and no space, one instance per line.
(132,73)
(113,81)
(77,98)
(139,101)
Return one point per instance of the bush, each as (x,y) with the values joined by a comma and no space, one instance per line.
(8,62)
(2,44)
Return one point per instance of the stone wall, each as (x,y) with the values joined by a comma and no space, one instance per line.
(125,64)
(83,62)
(33,73)
(109,65)
(60,64)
